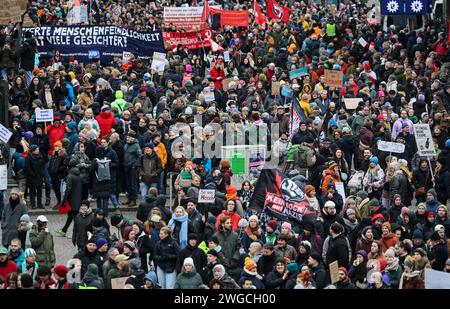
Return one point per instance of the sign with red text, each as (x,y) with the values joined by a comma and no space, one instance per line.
(206,196)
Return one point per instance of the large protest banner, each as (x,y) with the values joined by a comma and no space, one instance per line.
(280,196)
(188,18)
(88,42)
(189,39)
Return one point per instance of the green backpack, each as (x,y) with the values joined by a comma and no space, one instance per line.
(291,152)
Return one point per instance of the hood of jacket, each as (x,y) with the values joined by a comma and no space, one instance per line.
(119,94)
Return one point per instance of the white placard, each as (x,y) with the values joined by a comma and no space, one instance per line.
(3,177)
(209,96)
(424,140)
(340,189)
(126,56)
(5,134)
(391,147)
(206,196)
(436,279)
(44,115)
(362,42)
(158,62)
(226,56)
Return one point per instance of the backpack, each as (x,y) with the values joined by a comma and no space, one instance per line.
(303,158)
(291,152)
(103,172)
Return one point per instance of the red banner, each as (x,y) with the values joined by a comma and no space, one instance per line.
(190,39)
(231,18)
(276,11)
(260,19)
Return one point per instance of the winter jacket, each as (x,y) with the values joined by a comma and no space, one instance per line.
(20,97)
(43,142)
(265,265)
(119,102)
(8,58)
(191,280)
(83,164)
(106,121)
(338,250)
(34,169)
(320,276)
(149,167)
(42,243)
(388,241)
(55,134)
(228,241)
(10,221)
(82,223)
(74,188)
(166,254)
(87,258)
(399,185)
(27,53)
(438,256)
(274,280)
(234,219)
(132,152)
(246,275)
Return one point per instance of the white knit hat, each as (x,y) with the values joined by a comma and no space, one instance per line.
(188,261)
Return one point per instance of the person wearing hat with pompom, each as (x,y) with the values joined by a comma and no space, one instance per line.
(250,272)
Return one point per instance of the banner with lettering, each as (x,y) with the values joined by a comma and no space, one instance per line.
(190,39)
(100,42)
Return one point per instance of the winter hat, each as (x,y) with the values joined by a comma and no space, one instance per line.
(305,244)
(3,250)
(374,160)
(115,219)
(188,261)
(130,245)
(211,220)
(329,204)
(432,192)
(272,224)
(389,253)
(373,202)
(421,251)
(316,257)
(30,252)
(253,217)
(25,218)
(101,241)
(438,227)
(72,125)
(249,264)
(33,147)
(16,191)
(287,225)
(362,253)
(404,211)
(61,270)
(447,143)
(243,223)
(350,212)
(362,194)
(447,263)
(417,234)
(309,188)
(430,213)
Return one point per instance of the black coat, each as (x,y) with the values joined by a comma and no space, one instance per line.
(27,53)
(337,251)
(74,188)
(34,169)
(197,254)
(266,263)
(57,167)
(274,280)
(43,143)
(104,188)
(438,256)
(320,276)
(81,225)
(166,254)
(87,258)
(146,207)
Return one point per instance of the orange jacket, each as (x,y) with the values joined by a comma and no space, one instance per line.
(234,219)
(329,177)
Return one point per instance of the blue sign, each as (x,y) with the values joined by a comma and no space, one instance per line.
(417,7)
(103,42)
(392,7)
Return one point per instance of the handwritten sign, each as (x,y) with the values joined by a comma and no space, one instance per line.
(206,196)
(118,283)
(158,62)
(362,42)
(226,82)
(334,272)
(226,56)
(44,115)
(352,103)
(333,78)
(424,140)
(5,134)
(209,96)
(276,88)
(391,147)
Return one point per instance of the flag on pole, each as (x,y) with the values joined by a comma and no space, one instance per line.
(417,7)
(215,47)
(392,7)
(260,19)
(276,11)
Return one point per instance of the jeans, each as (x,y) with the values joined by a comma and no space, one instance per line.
(47,180)
(114,200)
(102,203)
(131,181)
(161,187)
(144,187)
(166,280)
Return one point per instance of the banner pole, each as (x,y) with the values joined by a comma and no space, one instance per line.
(431,169)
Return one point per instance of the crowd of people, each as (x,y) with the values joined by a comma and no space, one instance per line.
(119,128)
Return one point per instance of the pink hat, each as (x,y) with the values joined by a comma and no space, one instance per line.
(188,68)
(404,210)
(380,117)
(286,225)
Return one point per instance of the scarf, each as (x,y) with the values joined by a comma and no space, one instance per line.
(182,237)
(13,203)
(86,213)
(393,266)
(252,233)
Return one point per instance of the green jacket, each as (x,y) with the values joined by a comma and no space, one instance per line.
(190,280)
(42,243)
(119,102)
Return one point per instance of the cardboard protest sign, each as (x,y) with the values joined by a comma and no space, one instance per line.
(334,78)
(3,177)
(334,272)
(226,82)
(276,88)
(424,140)
(351,103)
(118,283)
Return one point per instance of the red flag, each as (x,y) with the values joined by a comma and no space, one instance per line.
(260,19)
(205,12)
(276,11)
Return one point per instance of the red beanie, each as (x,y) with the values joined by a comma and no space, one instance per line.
(61,270)
(367,67)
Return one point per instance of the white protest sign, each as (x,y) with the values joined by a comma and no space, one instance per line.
(391,147)
(5,134)
(352,103)
(424,140)
(3,177)
(436,279)
(226,56)
(340,189)
(126,56)
(362,42)
(206,196)
(158,62)
(44,115)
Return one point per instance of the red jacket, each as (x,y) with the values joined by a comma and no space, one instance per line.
(105,120)
(215,74)
(9,268)
(55,134)
(234,219)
